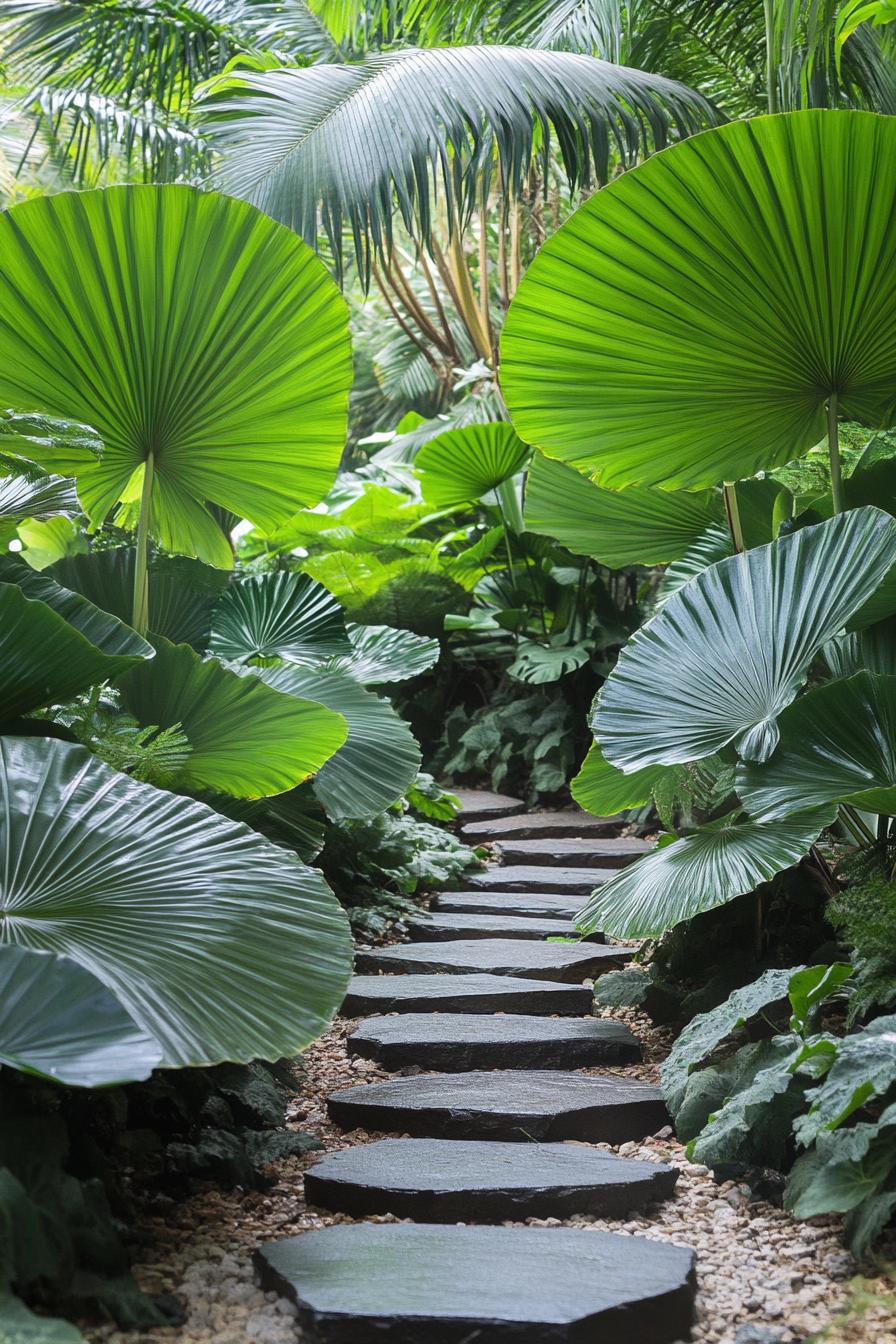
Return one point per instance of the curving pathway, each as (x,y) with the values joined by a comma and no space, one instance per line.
(503,1127)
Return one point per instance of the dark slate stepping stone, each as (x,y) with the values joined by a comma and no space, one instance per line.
(531,877)
(442,927)
(450,1181)
(533,905)
(521,957)
(460,1042)
(430,1284)
(518,1106)
(481,805)
(590,853)
(463,994)
(539,826)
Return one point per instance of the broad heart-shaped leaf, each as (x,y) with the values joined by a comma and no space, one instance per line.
(184,324)
(21,498)
(730,650)
(57,1020)
(616,527)
(865,1068)
(219,944)
(182,592)
(380,758)
(114,637)
(838,744)
(707,1030)
(688,324)
(46,657)
(245,739)
(537,664)
(721,860)
(464,464)
(381,654)
(604,790)
(279,615)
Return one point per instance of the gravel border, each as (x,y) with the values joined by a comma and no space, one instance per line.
(755,1264)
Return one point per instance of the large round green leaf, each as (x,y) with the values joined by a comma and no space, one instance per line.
(464,464)
(381,757)
(45,655)
(380,654)
(182,592)
(726,653)
(187,325)
(57,1020)
(602,789)
(689,322)
(219,944)
(718,862)
(616,527)
(838,744)
(245,739)
(281,615)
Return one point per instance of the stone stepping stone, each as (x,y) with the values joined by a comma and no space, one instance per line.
(460,1180)
(535,905)
(531,877)
(463,994)
(591,853)
(401,1283)
(460,1042)
(443,927)
(518,1106)
(481,805)
(539,826)
(520,957)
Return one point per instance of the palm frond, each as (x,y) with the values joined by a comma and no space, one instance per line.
(346,145)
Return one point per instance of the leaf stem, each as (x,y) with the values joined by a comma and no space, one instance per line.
(771,65)
(729,492)
(141,571)
(834,454)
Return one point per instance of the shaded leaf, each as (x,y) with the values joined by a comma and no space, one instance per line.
(278,615)
(537,664)
(219,944)
(382,654)
(58,1021)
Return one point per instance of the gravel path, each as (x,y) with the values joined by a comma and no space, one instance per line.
(755,1264)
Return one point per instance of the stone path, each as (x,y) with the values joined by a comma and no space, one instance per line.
(479,989)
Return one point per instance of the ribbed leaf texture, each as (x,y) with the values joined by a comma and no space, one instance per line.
(464,464)
(219,944)
(380,654)
(278,615)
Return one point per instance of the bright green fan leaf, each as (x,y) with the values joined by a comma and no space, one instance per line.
(45,656)
(185,325)
(603,790)
(279,615)
(182,592)
(838,744)
(464,464)
(21,498)
(537,664)
(55,445)
(616,527)
(245,739)
(380,758)
(57,1020)
(726,653)
(720,861)
(689,322)
(383,654)
(220,945)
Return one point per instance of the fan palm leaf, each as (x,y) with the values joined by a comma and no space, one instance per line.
(345,145)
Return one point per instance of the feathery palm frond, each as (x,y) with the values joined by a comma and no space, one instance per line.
(346,145)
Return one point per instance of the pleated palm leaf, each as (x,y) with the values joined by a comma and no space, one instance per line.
(345,145)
